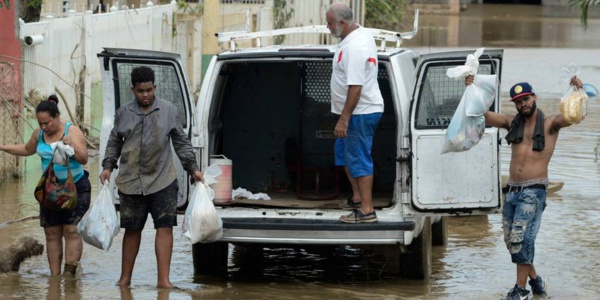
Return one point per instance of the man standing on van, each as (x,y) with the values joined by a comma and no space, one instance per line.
(533,137)
(142,135)
(355,96)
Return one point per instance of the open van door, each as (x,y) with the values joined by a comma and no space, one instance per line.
(455,183)
(171,85)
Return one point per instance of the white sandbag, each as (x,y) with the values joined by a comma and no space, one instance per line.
(100,223)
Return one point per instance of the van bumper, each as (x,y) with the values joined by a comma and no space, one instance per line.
(316,232)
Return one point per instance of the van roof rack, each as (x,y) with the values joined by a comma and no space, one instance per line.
(378,34)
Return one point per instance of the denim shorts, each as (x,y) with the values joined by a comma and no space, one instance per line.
(49,218)
(162,205)
(521,219)
(354,151)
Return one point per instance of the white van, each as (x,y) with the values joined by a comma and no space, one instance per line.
(268,110)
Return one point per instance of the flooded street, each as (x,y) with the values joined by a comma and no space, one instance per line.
(475,263)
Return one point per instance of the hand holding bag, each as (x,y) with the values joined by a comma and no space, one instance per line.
(54,195)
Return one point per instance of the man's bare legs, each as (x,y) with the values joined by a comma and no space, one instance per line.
(365,186)
(532,272)
(54,248)
(355,191)
(523,272)
(163,247)
(362,190)
(131,247)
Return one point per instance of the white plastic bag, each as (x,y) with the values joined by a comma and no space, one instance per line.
(480,95)
(464,132)
(468,124)
(573,104)
(201,223)
(470,67)
(100,223)
(62,153)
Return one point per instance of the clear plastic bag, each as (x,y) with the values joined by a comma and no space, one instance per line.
(573,104)
(464,132)
(100,223)
(201,222)
(480,95)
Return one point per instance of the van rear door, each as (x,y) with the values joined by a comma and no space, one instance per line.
(171,85)
(455,183)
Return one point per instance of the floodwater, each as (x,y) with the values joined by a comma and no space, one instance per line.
(474,264)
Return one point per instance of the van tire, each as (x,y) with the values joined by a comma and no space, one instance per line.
(439,232)
(210,258)
(415,263)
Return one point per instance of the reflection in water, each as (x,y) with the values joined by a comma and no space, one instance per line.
(474,265)
(63,288)
(502,26)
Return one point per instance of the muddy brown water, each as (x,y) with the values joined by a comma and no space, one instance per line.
(474,264)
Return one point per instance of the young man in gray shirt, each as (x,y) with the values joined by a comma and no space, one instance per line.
(147,182)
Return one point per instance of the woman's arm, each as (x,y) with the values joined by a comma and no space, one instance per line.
(75,139)
(26,149)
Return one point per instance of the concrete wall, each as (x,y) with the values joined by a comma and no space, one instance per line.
(64,60)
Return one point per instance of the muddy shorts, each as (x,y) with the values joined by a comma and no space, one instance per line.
(354,151)
(521,219)
(49,218)
(162,205)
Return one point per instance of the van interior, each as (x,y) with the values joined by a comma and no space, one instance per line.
(273,120)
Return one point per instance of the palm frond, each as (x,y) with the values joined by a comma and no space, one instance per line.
(584,6)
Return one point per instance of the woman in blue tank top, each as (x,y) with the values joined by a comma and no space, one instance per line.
(59,225)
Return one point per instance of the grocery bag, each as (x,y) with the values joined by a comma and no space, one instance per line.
(468,124)
(573,104)
(201,222)
(100,223)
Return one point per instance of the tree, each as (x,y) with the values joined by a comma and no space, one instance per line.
(583,5)
(28,10)
(385,14)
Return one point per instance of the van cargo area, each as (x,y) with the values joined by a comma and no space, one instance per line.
(273,120)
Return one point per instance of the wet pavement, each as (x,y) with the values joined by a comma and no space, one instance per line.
(474,264)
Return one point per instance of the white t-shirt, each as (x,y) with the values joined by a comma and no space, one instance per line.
(355,63)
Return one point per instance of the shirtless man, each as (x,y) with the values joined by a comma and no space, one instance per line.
(532,137)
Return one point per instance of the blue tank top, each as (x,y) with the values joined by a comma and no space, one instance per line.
(45,152)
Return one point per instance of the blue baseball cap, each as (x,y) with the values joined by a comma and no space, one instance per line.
(520,89)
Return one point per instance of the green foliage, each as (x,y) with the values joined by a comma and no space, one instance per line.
(187,8)
(583,5)
(282,16)
(385,14)
(6,3)
(33,4)
(29,10)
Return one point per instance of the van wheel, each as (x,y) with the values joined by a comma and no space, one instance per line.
(210,258)
(439,232)
(416,261)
